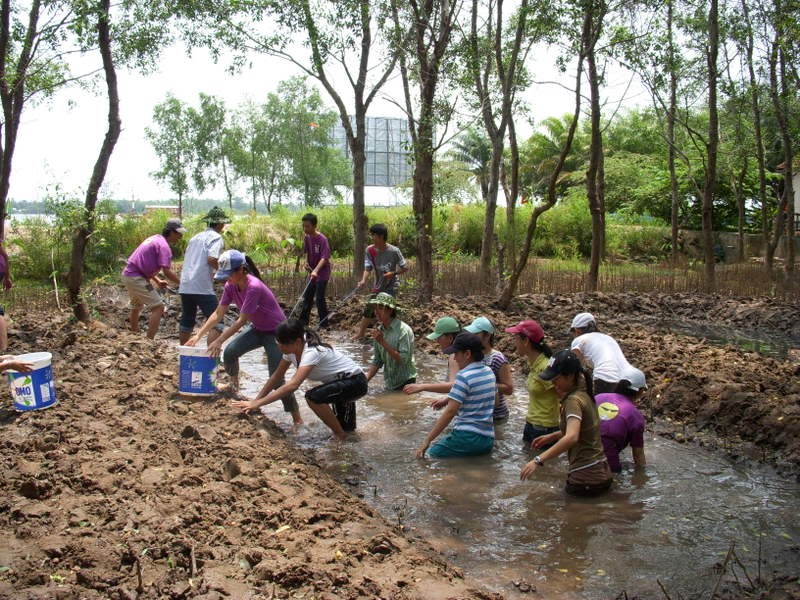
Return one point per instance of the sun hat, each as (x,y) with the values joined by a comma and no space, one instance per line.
(635,379)
(562,362)
(444,325)
(228,262)
(175,225)
(465,341)
(385,299)
(581,320)
(216,216)
(481,324)
(529,328)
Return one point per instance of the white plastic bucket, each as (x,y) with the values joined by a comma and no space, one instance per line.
(198,372)
(36,389)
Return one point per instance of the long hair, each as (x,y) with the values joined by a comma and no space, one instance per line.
(623,388)
(291,330)
(252,268)
(542,347)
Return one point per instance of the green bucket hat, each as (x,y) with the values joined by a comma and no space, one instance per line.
(385,299)
(216,216)
(444,325)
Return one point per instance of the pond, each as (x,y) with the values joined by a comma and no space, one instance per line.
(670,522)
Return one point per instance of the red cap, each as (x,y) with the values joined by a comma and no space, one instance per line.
(530,329)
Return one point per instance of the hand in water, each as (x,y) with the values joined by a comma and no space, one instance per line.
(438,403)
(528,469)
(420,452)
(412,388)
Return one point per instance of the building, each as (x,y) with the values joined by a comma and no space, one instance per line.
(388,148)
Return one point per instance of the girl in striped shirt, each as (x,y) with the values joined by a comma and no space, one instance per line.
(470,404)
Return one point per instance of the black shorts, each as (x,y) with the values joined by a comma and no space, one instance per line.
(343,389)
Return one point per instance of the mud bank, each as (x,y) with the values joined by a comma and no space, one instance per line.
(125,491)
(737,401)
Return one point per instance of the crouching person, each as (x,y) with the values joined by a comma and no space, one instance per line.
(342,380)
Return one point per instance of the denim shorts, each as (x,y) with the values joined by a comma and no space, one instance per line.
(207,303)
(462,443)
(531,432)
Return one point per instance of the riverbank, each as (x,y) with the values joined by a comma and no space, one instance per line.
(123,490)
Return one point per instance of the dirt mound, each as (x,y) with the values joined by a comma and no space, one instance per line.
(126,491)
(742,402)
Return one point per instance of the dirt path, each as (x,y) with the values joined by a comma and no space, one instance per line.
(125,491)
(743,403)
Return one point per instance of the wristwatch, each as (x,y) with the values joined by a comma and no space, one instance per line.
(538,460)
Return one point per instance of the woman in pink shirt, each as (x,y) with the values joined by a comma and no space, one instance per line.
(259,314)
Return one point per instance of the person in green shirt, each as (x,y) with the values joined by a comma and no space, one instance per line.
(542,417)
(393,345)
(444,332)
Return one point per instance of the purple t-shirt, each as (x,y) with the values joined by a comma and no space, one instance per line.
(621,424)
(257,302)
(317,248)
(149,258)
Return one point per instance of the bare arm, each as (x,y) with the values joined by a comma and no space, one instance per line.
(567,441)
(170,274)
(371,372)
(439,388)
(213,262)
(450,411)
(212,320)
(276,394)
(506,384)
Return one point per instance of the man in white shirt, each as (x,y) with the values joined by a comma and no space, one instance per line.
(601,350)
(197,285)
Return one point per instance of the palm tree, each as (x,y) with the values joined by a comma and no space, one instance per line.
(474,150)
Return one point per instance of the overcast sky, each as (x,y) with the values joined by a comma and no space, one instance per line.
(59,140)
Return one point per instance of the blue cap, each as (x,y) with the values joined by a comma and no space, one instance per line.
(228,262)
(480,324)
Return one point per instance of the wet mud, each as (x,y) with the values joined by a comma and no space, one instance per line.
(740,402)
(123,490)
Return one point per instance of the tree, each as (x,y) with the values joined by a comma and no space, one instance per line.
(209,129)
(337,35)
(173,141)
(474,151)
(422,62)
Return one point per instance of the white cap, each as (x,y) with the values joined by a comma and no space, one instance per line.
(581,320)
(636,379)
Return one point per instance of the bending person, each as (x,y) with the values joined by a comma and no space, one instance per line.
(600,350)
(579,434)
(621,423)
(342,380)
(542,417)
(393,346)
(259,315)
(444,332)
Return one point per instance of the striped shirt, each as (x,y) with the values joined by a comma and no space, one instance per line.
(475,389)
(495,361)
(400,337)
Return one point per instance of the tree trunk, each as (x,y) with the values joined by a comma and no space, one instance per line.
(513,281)
(709,188)
(487,242)
(671,116)
(738,187)
(12,98)
(595,173)
(357,144)
(81,237)
(227,185)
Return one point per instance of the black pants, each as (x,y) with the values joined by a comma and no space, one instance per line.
(341,394)
(600,386)
(315,293)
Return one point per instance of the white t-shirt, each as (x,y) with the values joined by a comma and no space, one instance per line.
(196,276)
(327,363)
(603,351)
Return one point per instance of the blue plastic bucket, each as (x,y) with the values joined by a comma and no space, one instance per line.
(36,389)
(198,372)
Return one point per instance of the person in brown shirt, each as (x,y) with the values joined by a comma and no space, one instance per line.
(579,429)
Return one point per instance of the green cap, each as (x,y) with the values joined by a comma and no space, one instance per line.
(385,299)
(216,216)
(444,325)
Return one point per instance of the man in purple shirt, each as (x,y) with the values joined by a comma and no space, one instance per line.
(153,255)
(621,423)
(318,263)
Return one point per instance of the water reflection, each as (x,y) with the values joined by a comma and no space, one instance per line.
(671,522)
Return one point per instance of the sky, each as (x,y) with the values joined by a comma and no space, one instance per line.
(59,139)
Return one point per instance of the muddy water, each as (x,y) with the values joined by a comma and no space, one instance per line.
(671,522)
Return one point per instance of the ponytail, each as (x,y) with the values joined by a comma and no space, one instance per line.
(251,267)
(291,330)
(542,347)
(587,378)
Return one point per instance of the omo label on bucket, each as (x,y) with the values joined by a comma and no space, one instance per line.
(23,391)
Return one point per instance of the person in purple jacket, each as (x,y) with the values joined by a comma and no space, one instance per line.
(621,423)
(152,256)
(259,314)
(318,264)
